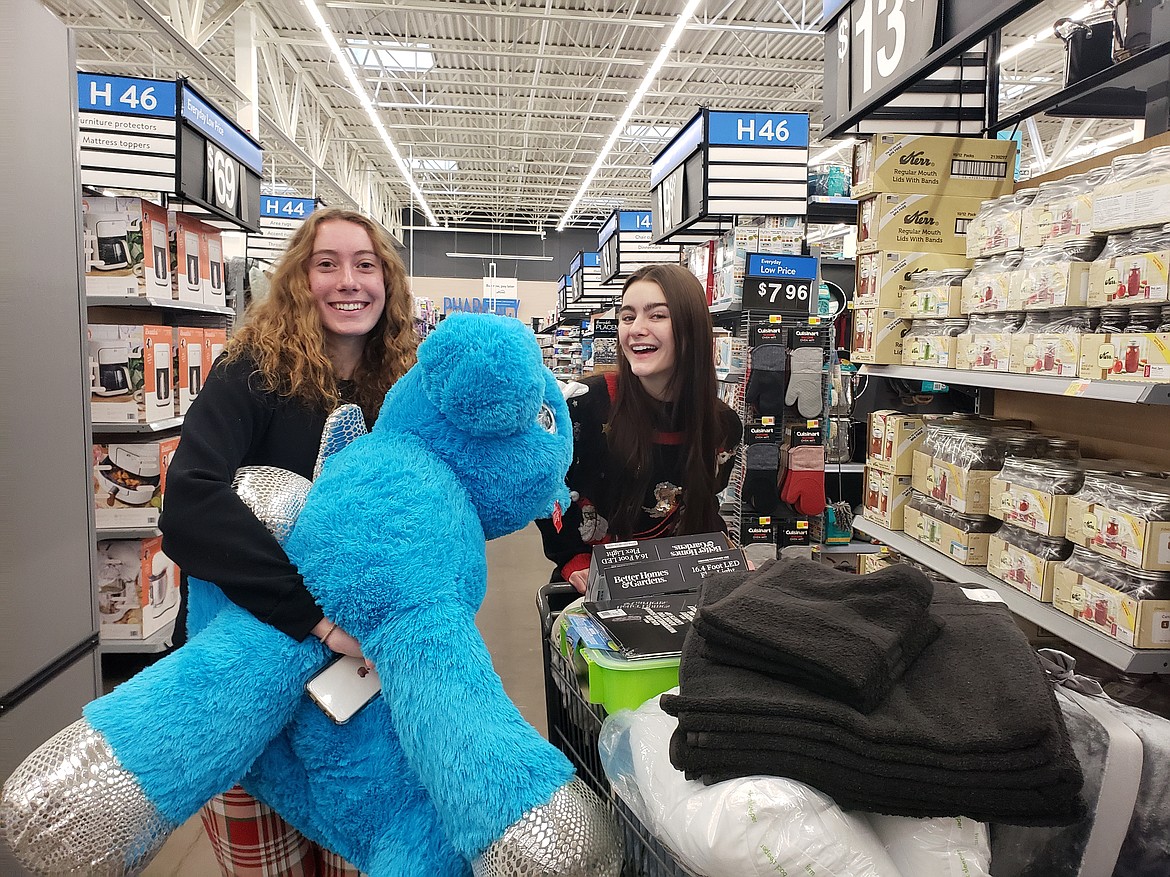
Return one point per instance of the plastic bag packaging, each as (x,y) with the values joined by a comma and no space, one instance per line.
(940,847)
(750,827)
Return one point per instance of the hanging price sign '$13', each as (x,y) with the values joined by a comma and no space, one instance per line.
(879,40)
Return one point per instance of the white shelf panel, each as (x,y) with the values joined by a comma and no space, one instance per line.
(159,642)
(852,548)
(1042,614)
(139,428)
(1109,391)
(138,301)
(844,467)
(127,532)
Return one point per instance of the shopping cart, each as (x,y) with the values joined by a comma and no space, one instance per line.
(574,726)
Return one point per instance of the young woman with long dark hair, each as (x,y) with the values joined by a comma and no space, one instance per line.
(653,443)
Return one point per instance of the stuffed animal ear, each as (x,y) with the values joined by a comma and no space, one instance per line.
(484,373)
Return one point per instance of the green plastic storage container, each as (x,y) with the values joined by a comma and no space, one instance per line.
(620,684)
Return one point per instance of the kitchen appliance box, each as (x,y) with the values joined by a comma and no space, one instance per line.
(1124,536)
(885,498)
(967,491)
(214,341)
(138,588)
(158,378)
(1021,569)
(189,365)
(877,336)
(968,167)
(893,439)
(884,276)
(1035,510)
(125,247)
(116,373)
(1045,354)
(1140,624)
(618,570)
(189,254)
(129,481)
(915,223)
(215,280)
(1129,280)
(969,549)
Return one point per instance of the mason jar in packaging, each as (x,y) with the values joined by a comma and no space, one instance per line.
(1083,249)
(1024,445)
(1043,213)
(1064,448)
(1146,240)
(1044,547)
(1144,318)
(1070,321)
(1126,167)
(1115,245)
(1113,320)
(935,293)
(1165,324)
(1048,475)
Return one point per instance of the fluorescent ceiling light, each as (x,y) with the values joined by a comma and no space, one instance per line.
(503,257)
(831,151)
(364,99)
(635,100)
(649,132)
(390,55)
(1047,33)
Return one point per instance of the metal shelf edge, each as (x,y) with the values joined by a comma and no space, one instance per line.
(159,641)
(1107,391)
(104,533)
(1042,614)
(138,428)
(131,301)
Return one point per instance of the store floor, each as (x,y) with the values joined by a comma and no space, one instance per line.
(511,628)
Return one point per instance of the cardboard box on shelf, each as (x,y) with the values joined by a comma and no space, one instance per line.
(1027,507)
(932,302)
(990,234)
(876,430)
(1043,354)
(1053,222)
(158,384)
(1021,569)
(1129,280)
(215,280)
(968,167)
(939,351)
(188,241)
(1098,356)
(1136,356)
(969,549)
(115,373)
(1138,202)
(1141,624)
(138,588)
(129,482)
(867,563)
(901,436)
(1060,285)
(983,351)
(189,365)
(917,223)
(214,341)
(885,498)
(877,336)
(125,247)
(967,491)
(1122,535)
(883,276)
(988,293)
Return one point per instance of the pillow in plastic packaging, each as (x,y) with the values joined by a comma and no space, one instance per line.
(746,827)
(938,847)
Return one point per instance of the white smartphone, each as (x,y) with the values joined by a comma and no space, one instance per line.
(342,687)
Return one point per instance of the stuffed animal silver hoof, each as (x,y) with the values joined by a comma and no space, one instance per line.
(573,835)
(71,808)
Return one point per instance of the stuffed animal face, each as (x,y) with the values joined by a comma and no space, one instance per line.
(482,400)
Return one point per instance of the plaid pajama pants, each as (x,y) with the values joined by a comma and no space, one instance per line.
(250,840)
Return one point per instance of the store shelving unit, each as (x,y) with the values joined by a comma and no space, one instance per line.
(138,428)
(1042,614)
(1106,391)
(127,532)
(159,641)
(165,304)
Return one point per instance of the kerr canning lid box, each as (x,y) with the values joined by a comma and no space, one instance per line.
(968,167)
(917,223)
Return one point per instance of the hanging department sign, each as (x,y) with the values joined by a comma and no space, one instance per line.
(623,245)
(162,136)
(280,216)
(780,284)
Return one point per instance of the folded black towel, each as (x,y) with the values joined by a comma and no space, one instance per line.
(844,636)
(978,688)
(1057,803)
(975,696)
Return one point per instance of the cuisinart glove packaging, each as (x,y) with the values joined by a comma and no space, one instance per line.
(659,566)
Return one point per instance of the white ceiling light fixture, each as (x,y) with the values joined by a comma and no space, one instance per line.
(635,100)
(364,99)
(503,257)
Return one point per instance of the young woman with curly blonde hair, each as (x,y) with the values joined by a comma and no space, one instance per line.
(336,326)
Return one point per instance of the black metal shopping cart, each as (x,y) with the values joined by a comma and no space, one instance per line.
(574,726)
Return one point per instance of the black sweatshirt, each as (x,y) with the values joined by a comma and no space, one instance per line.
(597,480)
(207,529)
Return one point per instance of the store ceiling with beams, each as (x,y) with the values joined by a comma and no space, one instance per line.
(499,109)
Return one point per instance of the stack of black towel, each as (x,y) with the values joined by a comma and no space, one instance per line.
(887,692)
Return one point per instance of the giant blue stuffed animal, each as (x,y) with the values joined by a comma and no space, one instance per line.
(440,775)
